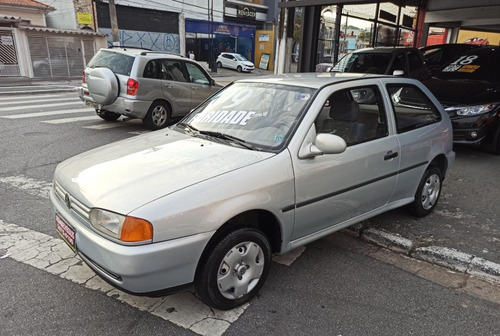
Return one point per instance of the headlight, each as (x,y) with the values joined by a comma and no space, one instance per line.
(125,228)
(470,110)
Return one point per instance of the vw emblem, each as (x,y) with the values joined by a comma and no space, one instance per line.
(66,200)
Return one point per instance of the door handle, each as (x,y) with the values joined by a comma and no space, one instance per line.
(390,155)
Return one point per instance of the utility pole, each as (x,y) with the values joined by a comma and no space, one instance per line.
(114,23)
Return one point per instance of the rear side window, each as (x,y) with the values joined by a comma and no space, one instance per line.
(412,108)
(172,70)
(118,63)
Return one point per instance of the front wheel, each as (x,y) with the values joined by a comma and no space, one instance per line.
(234,270)
(158,116)
(239,68)
(106,115)
(428,193)
(219,65)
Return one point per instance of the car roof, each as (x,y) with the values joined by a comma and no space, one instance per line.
(143,52)
(230,53)
(313,80)
(386,50)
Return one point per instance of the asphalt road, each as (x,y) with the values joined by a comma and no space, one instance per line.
(335,286)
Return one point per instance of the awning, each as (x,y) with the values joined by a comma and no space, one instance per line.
(62,31)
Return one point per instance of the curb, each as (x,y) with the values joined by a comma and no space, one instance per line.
(442,256)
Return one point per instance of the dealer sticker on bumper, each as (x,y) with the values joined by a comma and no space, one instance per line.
(66,232)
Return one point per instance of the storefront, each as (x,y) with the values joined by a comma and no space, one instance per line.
(207,38)
(326,30)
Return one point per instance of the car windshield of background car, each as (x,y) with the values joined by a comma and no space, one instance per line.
(118,63)
(263,115)
(363,63)
(476,65)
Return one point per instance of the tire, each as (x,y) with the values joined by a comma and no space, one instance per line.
(219,65)
(234,270)
(158,116)
(239,68)
(106,115)
(428,192)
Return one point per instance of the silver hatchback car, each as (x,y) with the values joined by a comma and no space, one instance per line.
(148,85)
(260,168)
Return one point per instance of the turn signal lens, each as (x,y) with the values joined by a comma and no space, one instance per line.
(136,230)
(132,87)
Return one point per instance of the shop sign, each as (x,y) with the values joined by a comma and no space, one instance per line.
(222,29)
(84,18)
(245,12)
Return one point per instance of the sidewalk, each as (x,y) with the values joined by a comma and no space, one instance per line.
(461,235)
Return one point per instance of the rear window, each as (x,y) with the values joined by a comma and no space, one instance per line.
(116,62)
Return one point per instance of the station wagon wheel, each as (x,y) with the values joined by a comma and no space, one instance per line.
(235,269)
(158,116)
(428,192)
(106,115)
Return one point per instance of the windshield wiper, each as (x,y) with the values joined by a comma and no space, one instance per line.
(193,130)
(228,137)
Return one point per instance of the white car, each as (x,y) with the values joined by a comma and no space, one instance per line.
(260,168)
(234,61)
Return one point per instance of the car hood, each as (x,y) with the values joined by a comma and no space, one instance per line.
(461,92)
(127,174)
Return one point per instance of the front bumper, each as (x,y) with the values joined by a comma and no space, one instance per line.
(133,108)
(474,129)
(138,269)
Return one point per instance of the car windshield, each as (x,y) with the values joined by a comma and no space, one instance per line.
(240,58)
(479,64)
(361,62)
(116,62)
(261,115)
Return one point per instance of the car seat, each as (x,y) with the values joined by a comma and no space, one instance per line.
(343,121)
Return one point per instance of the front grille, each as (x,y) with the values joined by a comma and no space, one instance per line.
(71,202)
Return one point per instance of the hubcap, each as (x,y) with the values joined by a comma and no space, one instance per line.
(430,191)
(159,115)
(240,270)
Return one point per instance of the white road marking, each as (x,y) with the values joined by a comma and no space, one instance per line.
(33,187)
(49,113)
(17,108)
(54,256)
(24,102)
(23,97)
(112,125)
(70,120)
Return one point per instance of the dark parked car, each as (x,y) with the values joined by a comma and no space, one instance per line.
(469,89)
(406,62)
(438,55)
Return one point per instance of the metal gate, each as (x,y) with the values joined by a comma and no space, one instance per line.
(8,57)
(59,56)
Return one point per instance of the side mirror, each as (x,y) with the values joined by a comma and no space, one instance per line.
(330,143)
(212,82)
(398,73)
(324,143)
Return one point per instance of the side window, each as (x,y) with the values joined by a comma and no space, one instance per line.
(414,61)
(172,70)
(152,69)
(196,75)
(412,108)
(357,115)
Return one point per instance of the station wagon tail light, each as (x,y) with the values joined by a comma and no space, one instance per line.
(132,87)
(124,228)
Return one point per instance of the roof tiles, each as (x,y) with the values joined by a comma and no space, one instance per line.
(26,3)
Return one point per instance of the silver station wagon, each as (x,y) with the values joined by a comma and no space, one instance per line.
(260,168)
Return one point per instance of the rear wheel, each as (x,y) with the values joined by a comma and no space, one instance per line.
(234,270)
(106,115)
(158,116)
(428,192)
